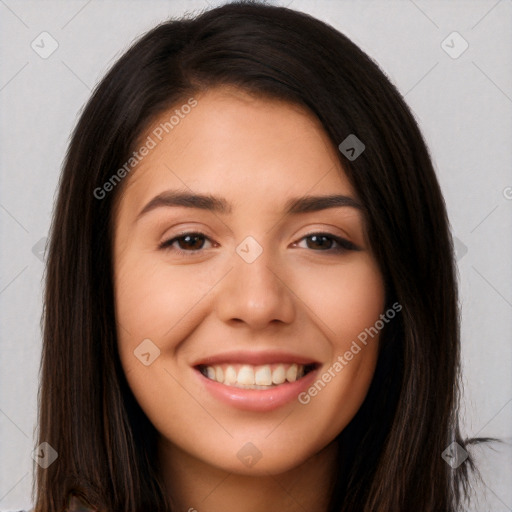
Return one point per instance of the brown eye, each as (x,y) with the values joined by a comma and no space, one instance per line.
(191,242)
(320,242)
(328,243)
(185,243)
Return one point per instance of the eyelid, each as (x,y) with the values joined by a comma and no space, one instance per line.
(342,240)
(166,244)
(344,244)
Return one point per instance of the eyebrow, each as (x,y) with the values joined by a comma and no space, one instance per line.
(219,205)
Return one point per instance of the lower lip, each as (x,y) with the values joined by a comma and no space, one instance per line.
(258,399)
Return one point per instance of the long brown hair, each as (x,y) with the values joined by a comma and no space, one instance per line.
(390,454)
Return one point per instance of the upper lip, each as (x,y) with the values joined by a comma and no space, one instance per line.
(254,358)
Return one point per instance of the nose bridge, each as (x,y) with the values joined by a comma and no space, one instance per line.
(253,291)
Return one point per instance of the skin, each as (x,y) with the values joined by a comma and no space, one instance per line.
(296,296)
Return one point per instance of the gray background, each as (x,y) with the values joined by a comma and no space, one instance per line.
(463,106)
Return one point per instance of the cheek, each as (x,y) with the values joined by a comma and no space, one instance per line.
(152,298)
(333,400)
(345,299)
(347,311)
(157,302)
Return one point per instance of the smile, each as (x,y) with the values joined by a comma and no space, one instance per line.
(255,381)
(246,376)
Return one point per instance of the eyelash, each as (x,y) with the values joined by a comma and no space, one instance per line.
(344,245)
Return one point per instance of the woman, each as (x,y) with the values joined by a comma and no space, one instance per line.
(251,300)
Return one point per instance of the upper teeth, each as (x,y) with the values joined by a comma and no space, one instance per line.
(257,377)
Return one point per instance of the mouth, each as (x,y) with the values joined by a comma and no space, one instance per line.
(259,382)
(260,377)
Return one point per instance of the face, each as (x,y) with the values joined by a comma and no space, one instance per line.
(239,297)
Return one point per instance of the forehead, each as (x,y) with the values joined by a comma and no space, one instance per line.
(241,147)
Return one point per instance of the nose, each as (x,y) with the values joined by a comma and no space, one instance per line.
(255,293)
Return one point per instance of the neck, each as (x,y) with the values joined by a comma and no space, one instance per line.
(194,485)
